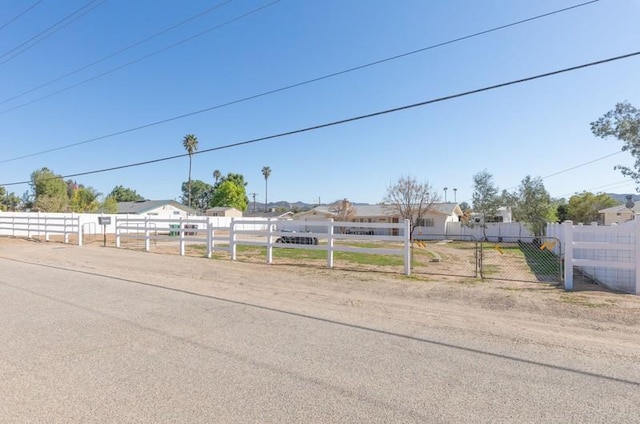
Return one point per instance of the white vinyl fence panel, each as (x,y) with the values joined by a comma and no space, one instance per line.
(608,254)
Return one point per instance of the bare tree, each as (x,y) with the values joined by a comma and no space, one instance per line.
(410,200)
(343,211)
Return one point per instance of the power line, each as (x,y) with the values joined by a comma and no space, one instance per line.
(122,50)
(574,167)
(581,165)
(140,59)
(20,15)
(70,18)
(617,184)
(357,118)
(271,91)
(277,90)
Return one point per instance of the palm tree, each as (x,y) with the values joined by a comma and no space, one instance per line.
(190,143)
(216,176)
(266,171)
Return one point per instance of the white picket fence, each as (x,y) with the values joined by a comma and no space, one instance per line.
(608,254)
(38,225)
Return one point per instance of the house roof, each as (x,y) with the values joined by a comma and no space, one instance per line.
(360,211)
(267,214)
(621,208)
(221,209)
(143,206)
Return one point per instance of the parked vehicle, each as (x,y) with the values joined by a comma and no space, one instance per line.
(360,231)
(295,238)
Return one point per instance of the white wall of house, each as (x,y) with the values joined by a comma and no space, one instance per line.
(165,212)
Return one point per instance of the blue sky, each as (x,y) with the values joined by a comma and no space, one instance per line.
(537,128)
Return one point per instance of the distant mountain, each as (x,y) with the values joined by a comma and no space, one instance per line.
(289,206)
(622,198)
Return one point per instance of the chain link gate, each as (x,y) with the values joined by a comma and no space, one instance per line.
(440,254)
(535,259)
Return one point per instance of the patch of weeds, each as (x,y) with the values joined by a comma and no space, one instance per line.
(490,269)
(578,300)
(414,277)
(469,281)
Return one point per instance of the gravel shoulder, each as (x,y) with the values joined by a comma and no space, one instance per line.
(589,319)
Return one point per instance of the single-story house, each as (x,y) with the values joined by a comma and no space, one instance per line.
(618,214)
(503,215)
(270,214)
(223,211)
(157,208)
(434,222)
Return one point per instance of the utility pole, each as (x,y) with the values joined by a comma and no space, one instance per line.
(254,201)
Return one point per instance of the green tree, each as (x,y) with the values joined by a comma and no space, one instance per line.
(622,123)
(237,179)
(190,144)
(266,171)
(49,191)
(110,205)
(201,194)
(124,194)
(84,199)
(562,210)
(230,194)
(216,176)
(533,205)
(485,197)
(584,207)
(410,200)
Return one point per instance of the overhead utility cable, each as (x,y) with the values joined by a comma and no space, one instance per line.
(122,50)
(140,59)
(20,15)
(277,90)
(360,117)
(74,16)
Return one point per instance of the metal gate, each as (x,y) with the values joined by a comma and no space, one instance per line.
(457,256)
(535,259)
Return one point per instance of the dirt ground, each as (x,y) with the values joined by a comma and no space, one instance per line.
(588,318)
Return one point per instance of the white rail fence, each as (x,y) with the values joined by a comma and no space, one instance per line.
(37,225)
(271,234)
(608,254)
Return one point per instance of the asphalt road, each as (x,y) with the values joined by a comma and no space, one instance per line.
(77,347)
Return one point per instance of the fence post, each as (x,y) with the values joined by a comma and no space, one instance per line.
(637,258)
(46,233)
(232,239)
(147,242)
(407,247)
(79,232)
(269,242)
(568,254)
(209,238)
(181,229)
(117,233)
(330,229)
(64,230)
